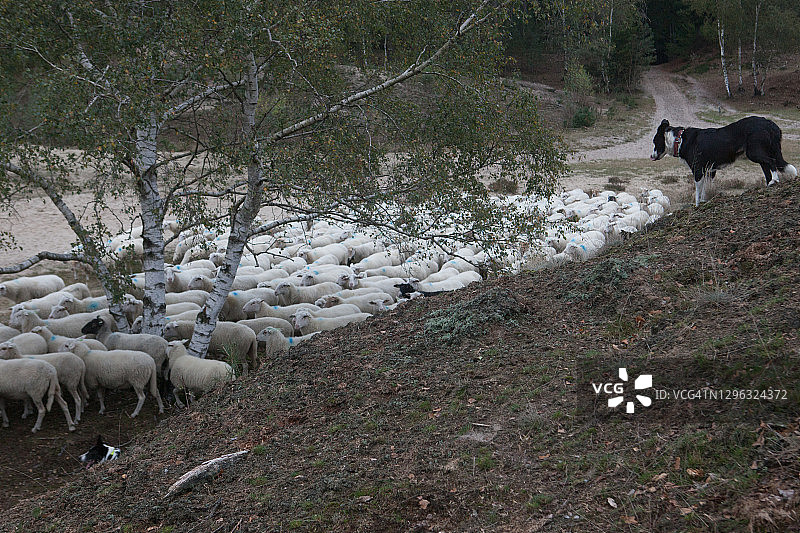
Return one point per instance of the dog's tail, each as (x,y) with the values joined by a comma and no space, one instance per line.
(788,169)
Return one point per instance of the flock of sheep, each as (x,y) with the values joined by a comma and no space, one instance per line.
(289,286)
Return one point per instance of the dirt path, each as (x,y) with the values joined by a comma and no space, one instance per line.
(671,102)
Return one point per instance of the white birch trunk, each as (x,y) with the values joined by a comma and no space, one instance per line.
(721,34)
(755,36)
(240,228)
(741,80)
(152,233)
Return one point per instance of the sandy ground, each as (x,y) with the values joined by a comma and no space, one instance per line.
(38,226)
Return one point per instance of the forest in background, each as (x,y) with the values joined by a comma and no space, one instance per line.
(605,45)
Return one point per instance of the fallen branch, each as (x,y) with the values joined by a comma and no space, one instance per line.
(199,473)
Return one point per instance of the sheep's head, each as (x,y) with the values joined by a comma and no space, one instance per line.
(308,279)
(59,311)
(176,348)
(137,325)
(93,326)
(378,305)
(197,282)
(253,306)
(268,334)
(347,281)
(283,289)
(3,289)
(301,319)
(66,300)
(8,350)
(329,300)
(171,331)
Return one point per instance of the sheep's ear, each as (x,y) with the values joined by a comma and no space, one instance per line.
(185,342)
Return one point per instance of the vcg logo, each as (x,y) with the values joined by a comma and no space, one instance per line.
(617,391)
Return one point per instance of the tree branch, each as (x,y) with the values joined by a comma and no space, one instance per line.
(41,256)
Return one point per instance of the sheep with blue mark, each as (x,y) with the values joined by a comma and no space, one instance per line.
(277,343)
(195,375)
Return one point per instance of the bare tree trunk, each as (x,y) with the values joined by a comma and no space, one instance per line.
(152,232)
(240,228)
(741,80)
(755,36)
(721,34)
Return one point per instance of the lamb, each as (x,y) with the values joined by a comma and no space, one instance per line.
(7,332)
(287,294)
(28,288)
(226,336)
(343,309)
(117,369)
(339,251)
(362,251)
(69,326)
(22,379)
(372,302)
(278,343)
(409,269)
(29,343)
(451,284)
(45,304)
(194,374)
(152,345)
(443,274)
(292,265)
(69,367)
(57,343)
(234,302)
(306,323)
(387,285)
(87,305)
(379,259)
(257,324)
(194,296)
(179,280)
(262,309)
(199,263)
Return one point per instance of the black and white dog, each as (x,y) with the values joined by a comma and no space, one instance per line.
(707,150)
(99,453)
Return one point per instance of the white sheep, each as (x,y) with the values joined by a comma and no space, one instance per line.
(23,379)
(339,251)
(287,293)
(450,284)
(28,288)
(57,343)
(379,259)
(7,332)
(86,305)
(70,368)
(194,296)
(292,265)
(193,374)
(178,280)
(306,323)
(118,369)
(373,302)
(152,345)
(261,309)
(29,343)
(45,304)
(257,324)
(234,302)
(68,327)
(227,336)
(277,342)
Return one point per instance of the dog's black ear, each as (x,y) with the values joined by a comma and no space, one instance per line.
(664,123)
(99,440)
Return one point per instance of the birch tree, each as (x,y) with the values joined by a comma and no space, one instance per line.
(212,111)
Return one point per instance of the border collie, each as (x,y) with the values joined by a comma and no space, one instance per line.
(99,453)
(710,149)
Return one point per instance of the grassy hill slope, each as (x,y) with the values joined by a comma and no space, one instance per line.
(462,412)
